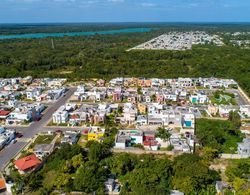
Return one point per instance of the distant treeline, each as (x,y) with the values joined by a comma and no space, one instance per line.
(105,56)
(79,27)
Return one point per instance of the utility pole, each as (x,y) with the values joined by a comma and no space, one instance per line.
(52,44)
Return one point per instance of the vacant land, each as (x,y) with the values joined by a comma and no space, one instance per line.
(219,135)
(43,139)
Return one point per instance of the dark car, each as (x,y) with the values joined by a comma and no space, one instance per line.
(19,135)
(58,131)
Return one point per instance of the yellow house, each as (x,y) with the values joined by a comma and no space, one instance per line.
(212,109)
(142,108)
(96,133)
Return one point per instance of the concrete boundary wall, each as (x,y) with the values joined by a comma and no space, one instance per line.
(138,151)
(232,156)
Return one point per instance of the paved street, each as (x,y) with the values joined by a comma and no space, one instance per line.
(240,98)
(29,132)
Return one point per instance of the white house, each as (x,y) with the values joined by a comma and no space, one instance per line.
(188,120)
(43,150)
(198,98)
(80,90)
(224,110)
(33,94)
(244,148)
(125,138)
(245,110)
(141,120)
(61,116)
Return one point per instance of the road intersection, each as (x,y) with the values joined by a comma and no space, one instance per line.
(29,132)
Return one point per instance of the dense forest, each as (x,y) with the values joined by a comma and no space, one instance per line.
(105,56)
(85,169)
(71,168)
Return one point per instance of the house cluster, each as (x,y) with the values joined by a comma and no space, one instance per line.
(24,112)
(224,110)
(148,139)
(210,83)
(6,136)
(180,41)
(241,43)
(78,114)
(91,133)
(152,90)
(157,114)
(91,93)
(37,154)
(31,89)
(34,160)
(22,99)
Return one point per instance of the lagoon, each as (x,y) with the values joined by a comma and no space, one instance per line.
(73,34)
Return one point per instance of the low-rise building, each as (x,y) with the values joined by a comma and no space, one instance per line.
(70,137)
(61,115)
(95,133)
(126,138)
(6,136)
(142,120)
(245,110)
(199,98)
(27,164)
(25,112)
(244,148)
(224,110)
(43,150)
(110,185)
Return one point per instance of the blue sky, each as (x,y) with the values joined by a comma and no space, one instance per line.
(22,11)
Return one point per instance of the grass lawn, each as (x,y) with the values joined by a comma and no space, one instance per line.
(223,98)
(43,139)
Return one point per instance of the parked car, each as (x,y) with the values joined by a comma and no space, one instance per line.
(58,131)
(19,135)
(13,141)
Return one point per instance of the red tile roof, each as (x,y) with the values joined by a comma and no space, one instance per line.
(27,162)
(4,112)
(2,184)
(74,116)
(150,143)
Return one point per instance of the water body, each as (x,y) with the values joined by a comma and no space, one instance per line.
(73,34)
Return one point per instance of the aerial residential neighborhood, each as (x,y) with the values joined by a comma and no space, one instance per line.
(180,41)
(156,116)
(124,97)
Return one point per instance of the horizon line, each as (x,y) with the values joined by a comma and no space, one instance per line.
(135,22)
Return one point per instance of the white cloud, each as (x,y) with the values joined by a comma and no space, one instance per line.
(116,1)
(146,4)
